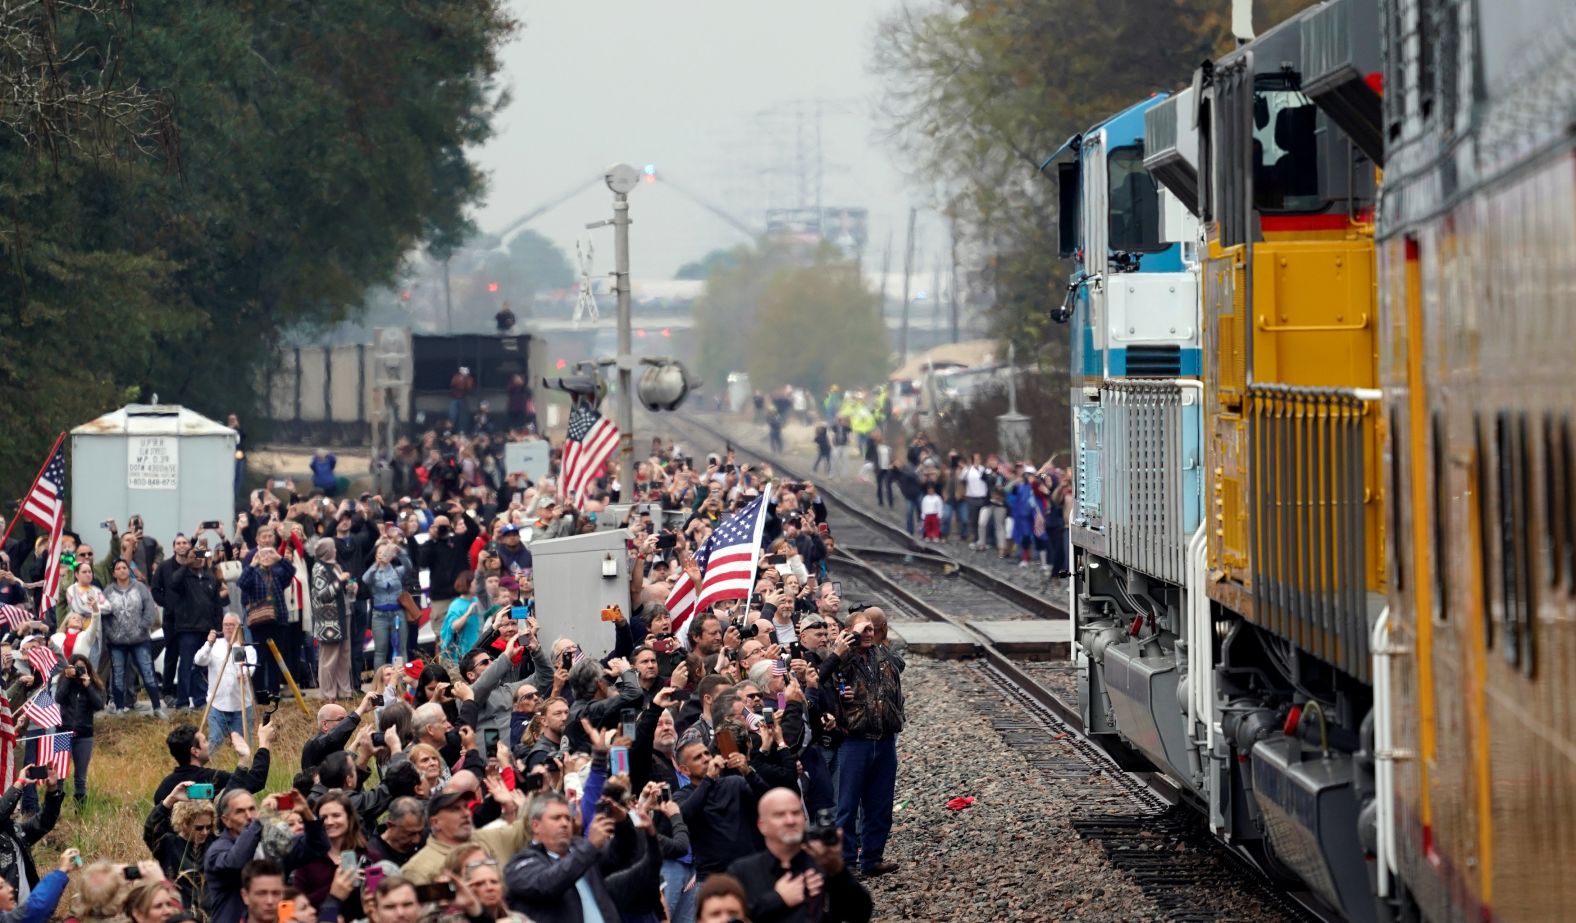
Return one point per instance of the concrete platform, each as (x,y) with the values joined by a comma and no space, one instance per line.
(936,639)
(1031,639)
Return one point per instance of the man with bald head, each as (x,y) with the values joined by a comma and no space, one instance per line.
(798,877)
(335,727)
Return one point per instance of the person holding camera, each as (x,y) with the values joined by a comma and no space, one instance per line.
(195,602)
(80,696)
(177,832)
(601,695)
(869,683)
(42,899)
(229,668)
(800,876)
(18,839)
(558,874)
(263,583)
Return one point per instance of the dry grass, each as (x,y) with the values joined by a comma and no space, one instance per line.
(129,760)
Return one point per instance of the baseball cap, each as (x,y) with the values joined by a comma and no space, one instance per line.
(811,621)
(509,529)
(443,800)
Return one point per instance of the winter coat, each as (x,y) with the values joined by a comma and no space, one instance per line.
(132,614)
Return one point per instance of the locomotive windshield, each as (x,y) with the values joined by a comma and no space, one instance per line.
(1285,149)
(1134,201)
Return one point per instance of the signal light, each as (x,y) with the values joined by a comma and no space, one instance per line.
(640,333)
(561,364)
(666,332)
(492,287)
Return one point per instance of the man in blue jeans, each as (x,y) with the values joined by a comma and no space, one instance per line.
(868,678)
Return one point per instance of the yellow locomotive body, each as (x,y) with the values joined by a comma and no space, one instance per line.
(1296,531)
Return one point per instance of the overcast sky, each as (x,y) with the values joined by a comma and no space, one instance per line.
(709,91)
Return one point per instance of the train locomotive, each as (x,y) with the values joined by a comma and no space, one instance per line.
(1325,532)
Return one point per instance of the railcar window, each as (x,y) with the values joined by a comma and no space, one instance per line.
(1553,501)
(1441,483)
(1509,586)
(1568,505)
(1485,529)
(1134,201)
(1285,157)
(1525,559)
(1426,32)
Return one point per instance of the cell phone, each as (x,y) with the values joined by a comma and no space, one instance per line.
(210,524)
(489,740)
(131,872)
(667,792)
(667,540)
(286,801)
(521,612)
(775,559)
(348,859)
(200,791)
(618,760)
(785,570)
(435,892)
(627,721)
(77,860)
(837,587)
(286,911)
(37,772)
(533,782)
(726,745)
(566,661)
(106,525)
(767,712)
(374,878)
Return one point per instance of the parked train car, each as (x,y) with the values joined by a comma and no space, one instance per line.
(334,395)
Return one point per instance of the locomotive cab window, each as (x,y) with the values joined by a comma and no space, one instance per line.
(1134,201)
(1285,158)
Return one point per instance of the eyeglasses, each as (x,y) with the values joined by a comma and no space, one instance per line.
(527,695)
(475,864)
(201,828)
(754,695)
(483,661)
(84,554)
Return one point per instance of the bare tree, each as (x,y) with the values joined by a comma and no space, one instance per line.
(58,80)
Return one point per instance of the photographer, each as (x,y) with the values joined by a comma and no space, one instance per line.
(800,876)
(226,674)
(42,898)
(80,696)
(194,604)
(544,880)
(595,700)
(446,554)
(18,839)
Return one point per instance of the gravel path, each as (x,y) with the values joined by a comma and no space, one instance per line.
(1011,855)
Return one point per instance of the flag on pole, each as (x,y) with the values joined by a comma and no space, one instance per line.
(42,710)
(681,599)
(43,658)
(7,742)
(55,752)
(592,439)
(736,546)
(45,505)
(14,616)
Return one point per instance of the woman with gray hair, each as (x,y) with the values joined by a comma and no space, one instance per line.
(331,622)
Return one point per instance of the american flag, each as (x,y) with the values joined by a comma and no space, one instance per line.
(7,742)
(58,755)
(592,439)
(735,547)
(14,616)
(42,710)
(45,505)
(681,599)
(43,658)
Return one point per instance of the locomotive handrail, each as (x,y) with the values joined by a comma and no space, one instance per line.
(1265,325)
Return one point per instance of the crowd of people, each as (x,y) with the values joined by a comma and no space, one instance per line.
(737,765)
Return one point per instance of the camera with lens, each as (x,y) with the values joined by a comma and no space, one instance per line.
(749,630)
(824,828)
(266,698)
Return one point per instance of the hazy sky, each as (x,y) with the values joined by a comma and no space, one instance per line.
(710,92)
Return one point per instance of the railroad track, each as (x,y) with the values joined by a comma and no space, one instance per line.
(1138,819)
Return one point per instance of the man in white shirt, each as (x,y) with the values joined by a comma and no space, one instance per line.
(225,676)
(976,494)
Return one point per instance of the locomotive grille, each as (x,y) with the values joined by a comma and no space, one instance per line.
(1154,361)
